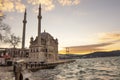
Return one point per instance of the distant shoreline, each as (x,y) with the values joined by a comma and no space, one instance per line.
(91,55)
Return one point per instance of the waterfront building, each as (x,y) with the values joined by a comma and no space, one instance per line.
(44,48)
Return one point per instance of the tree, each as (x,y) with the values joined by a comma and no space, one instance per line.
(4,29)
(5,34)
(13,40)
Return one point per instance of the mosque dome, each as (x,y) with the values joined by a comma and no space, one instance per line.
(45,35)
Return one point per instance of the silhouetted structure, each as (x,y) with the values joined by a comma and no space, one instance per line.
(24,30)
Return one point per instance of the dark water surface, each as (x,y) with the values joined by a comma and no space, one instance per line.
(107,68)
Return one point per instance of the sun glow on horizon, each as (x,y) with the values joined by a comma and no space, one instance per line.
(106,42)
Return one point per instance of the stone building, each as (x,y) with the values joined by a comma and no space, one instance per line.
(44,48)
(17,52)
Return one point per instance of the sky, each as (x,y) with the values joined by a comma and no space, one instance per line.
(83,26)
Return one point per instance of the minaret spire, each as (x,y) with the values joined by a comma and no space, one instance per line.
(39,25)
(24,29)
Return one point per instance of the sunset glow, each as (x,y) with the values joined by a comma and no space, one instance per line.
(83,26)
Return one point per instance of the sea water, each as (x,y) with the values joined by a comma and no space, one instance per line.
(106,68)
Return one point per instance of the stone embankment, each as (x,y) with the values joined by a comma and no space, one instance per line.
(6,72)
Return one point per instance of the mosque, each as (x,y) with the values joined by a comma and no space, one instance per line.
(43,48)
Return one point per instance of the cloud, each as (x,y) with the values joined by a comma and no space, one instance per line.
(107,41)
(11,5)
(92,46)
(6,5)
(69,2)
(19,5)
(76,2)
(86,48)
(113,37)
(48,4)
(65,2)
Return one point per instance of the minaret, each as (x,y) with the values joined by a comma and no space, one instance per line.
(39,25)
(24,29)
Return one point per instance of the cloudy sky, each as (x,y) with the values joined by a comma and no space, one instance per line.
(81,25)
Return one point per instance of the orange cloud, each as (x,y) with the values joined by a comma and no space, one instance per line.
(108,41)
(10,5)
(6,5)
(19,6)
(105,37)
(86,48)
(76,2)
(113,38)
(48,4)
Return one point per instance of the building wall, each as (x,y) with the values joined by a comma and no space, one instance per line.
(46,52)
(18,53)
(36,55)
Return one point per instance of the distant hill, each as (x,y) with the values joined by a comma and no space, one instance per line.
(91,55)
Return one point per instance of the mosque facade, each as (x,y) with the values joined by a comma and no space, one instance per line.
(44,48)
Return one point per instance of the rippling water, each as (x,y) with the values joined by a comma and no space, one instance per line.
(107,68)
